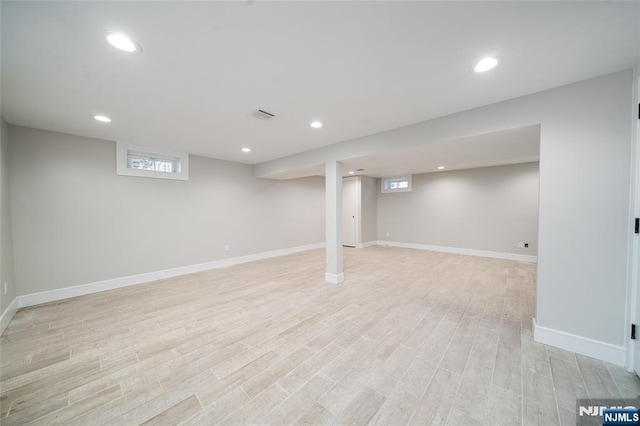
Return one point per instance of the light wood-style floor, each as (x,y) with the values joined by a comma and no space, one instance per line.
(412,337)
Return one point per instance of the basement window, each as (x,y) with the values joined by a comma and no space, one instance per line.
(133,160)
(151,163)
(396,184)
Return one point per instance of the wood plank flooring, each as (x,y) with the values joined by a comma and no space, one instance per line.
(411,337)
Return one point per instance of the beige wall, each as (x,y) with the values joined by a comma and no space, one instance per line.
(6,241)
(369,208)
(77,222)
(489,209)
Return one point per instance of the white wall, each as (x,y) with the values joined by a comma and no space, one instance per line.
(584,195)
(76,221)
(369,208)
(6,240)
(489,209)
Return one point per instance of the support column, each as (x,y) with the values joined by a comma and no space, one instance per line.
(333,218)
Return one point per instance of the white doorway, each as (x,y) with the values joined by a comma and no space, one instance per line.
(349,212)
(633,286)
(634,246)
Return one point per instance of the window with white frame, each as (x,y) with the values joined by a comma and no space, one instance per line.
(140,161)
(396,184)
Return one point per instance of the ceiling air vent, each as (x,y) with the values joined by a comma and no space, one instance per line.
(262,115)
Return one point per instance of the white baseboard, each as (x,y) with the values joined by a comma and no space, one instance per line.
(581,345)
(367,244)
(8,314)
(334,278)
(468,252)
(81,290)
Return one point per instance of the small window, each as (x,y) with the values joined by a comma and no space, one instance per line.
(396,184)
(155,164)
(148,162)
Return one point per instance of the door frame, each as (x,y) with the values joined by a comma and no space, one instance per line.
(633,275)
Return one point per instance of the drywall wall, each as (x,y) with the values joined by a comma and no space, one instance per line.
(6,241)
(491,209)
(584,193)
(369,209)
(75,221)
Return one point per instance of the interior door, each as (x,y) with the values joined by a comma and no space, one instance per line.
(349,212)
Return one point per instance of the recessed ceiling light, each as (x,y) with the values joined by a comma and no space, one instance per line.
(102,118)
(122,42)
(440,167)
(316,124)
(246,149)
(485,65)
(352,173)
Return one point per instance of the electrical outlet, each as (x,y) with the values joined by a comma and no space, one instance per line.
(226,248)
(388,234)
(6,287)
(521,245)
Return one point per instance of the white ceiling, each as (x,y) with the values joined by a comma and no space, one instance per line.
(360,67)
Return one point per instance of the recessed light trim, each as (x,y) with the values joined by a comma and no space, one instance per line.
(316,124)
(440,167)
(352,173)
(486,64)
(122,42)
(246,149)
(102,118)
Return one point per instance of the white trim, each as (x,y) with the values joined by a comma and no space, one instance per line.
(8,314)
(81,290)
(358,211)
(632,314)
(468,252)
(367,244)
(122,168)
(581,345)
(334,278)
